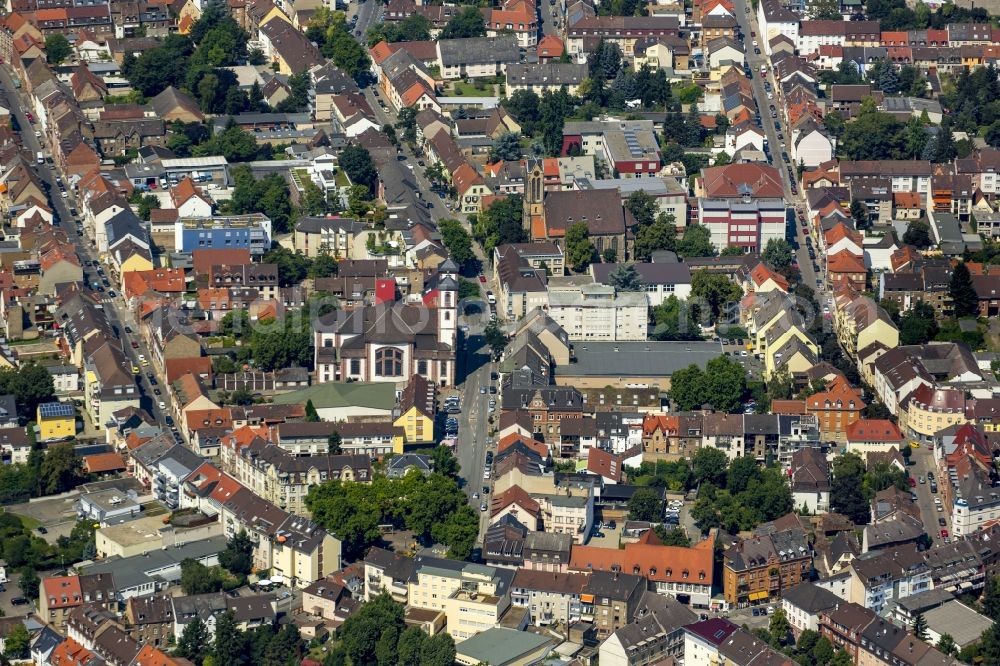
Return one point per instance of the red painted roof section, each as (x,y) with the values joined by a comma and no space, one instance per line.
(385,290)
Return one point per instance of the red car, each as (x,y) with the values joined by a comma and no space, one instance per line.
(944,534)
(30,117)
(913,482)
(135,345)
(482,278)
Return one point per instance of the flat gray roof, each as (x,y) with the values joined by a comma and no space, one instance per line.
(649,358)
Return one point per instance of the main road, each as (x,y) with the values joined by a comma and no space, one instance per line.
(475,367)
(117,314)
(778,146)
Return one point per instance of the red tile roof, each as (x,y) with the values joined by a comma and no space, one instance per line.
(178,367)
(650,558)
(874,430)
(62,591)
(98,463)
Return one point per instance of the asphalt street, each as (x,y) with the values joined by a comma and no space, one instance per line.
(117,313)
(751,32)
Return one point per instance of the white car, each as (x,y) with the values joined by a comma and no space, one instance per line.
(755,44)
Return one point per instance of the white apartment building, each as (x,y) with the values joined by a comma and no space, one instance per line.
(596,312)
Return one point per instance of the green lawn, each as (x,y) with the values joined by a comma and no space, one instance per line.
(28,522)
(463,89)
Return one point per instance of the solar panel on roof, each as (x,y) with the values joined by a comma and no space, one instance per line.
(55,409)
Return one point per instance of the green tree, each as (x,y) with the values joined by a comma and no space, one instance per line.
(196,578)
(778,254)
(293,267)
(438,650)
(193,643)
(334,442)
(946,644)
(742,472)
(312,416)
(825,10)
(696,242)
(672,320)
(357,163)
(642,206)
(17,642)
(780,628)
(660,235)
(57,48)
(61,470)
(625,277)
(323,266)
(991,598)
(30,384)
(822,650)
(845,495)
(361,631)
(989,645)
(500,223)
(579,250)
(715,291)
(237,558)
(457,240)
(709,465)
(674,537)
(645,504)
(229,646)
(918,234)
(963,292)
(495,338)
(920,626)
(725,383)
(409,647)
(468,22)
(859,213)
(29,582)
(687,388)
(917,325)
(506,147)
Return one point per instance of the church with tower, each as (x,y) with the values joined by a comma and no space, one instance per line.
(548,215)
(393,340)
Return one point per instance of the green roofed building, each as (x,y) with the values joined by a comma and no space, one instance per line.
(337,402)
(500,646)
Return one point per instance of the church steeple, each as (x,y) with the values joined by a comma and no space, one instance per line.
(534,192)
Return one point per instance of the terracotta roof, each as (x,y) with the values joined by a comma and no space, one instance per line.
(538,447)
(604,463)
(178,367)
(730,180)
(464,178)
(550,46)
(761,274)
(62,591)
(203,260)
(788,406)
(845,262)
(838,391)
(650,558)
(413,94)
(514,495)
(380,52)
(103,462)
(209,418)
(839,232)
(874,430)
(184,190)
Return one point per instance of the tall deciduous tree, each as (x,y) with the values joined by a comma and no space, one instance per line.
(579,250)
